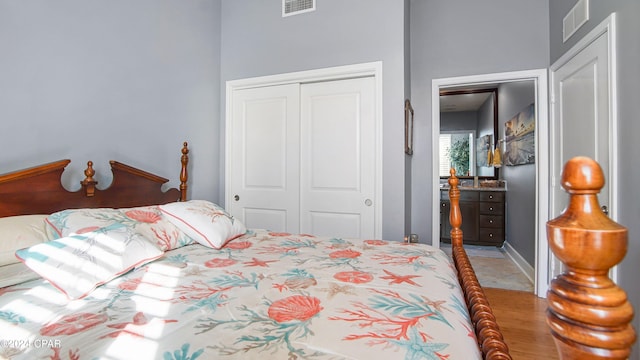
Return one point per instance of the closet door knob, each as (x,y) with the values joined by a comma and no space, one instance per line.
(368,202)
(236,197)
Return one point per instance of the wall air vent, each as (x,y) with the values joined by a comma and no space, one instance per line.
(576,17)
(295,7)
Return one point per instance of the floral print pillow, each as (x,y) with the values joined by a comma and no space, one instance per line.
(205,222)
(79,263)
(146,220)
(152,223)
(78,221)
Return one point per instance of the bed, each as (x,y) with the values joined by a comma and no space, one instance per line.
(131,271)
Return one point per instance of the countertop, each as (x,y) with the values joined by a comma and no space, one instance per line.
(471,188)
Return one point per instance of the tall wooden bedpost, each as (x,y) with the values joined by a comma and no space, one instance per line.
(589,314)
(184,159)
(490,338)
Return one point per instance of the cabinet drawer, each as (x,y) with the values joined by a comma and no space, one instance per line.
(491,221)
(492,235)
(491,208)
(493,196)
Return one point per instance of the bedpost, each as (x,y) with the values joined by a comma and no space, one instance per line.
(588,314)
(455,216)
(490,338)
(89,183)
(184,159)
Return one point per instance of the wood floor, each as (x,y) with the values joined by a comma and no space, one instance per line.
(521,317)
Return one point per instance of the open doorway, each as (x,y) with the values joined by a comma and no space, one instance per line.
(539,79)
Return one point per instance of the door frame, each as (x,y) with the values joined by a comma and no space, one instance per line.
(608,28)
(539,76)
(371,69)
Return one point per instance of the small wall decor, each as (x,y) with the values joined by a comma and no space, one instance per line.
(408,127)
(484,156)
(497,154)
(519,133)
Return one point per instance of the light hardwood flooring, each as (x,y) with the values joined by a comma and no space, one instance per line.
(522,320)
(521,315)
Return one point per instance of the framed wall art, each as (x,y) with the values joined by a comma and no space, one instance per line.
(520,145)
(408,127)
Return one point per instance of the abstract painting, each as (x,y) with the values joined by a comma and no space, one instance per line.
(520,146)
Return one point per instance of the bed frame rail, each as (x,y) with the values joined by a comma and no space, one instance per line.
(490,338)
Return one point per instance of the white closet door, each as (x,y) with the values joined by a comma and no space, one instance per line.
(264,161)
(337,158)
(582,119)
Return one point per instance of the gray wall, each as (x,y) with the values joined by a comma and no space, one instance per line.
(521,180)
(408,164)
(257,41)
(628,57)
(459,120)
(465,37)
(102,80)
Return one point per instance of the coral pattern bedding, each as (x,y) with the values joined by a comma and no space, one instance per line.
(262,295)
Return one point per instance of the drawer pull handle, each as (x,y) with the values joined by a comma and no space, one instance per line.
(490,221)
(491,209)
(490,235)
(490,196)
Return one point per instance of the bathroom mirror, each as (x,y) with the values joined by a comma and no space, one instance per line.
(468,128)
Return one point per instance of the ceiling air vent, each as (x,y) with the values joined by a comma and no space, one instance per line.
(295,7)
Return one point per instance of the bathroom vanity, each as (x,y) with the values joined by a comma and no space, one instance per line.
(483,215)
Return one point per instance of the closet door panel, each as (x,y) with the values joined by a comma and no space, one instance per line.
(265,157)
(337,158)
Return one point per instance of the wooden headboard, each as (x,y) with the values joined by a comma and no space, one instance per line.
(38,190)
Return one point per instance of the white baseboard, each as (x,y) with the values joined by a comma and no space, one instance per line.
(520,262)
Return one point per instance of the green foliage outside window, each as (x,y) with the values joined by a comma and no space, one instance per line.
(459,155)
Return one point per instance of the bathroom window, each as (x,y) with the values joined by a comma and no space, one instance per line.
(457,151)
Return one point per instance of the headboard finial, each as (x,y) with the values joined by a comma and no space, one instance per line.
(89,183)
(589,314)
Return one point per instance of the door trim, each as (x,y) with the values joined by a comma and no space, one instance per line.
(539,76)
(371,69)
(608,28)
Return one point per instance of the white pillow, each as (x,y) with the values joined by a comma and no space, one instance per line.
(17,273)
(17,232)
(204,221)
(79,263)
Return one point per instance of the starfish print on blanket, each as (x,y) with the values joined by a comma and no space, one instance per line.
(399,279)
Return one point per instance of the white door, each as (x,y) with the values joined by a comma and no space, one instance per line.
(337,191)
(582,119)
(302,157)
(264,165)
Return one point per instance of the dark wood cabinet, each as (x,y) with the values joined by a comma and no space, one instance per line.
(483,216)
